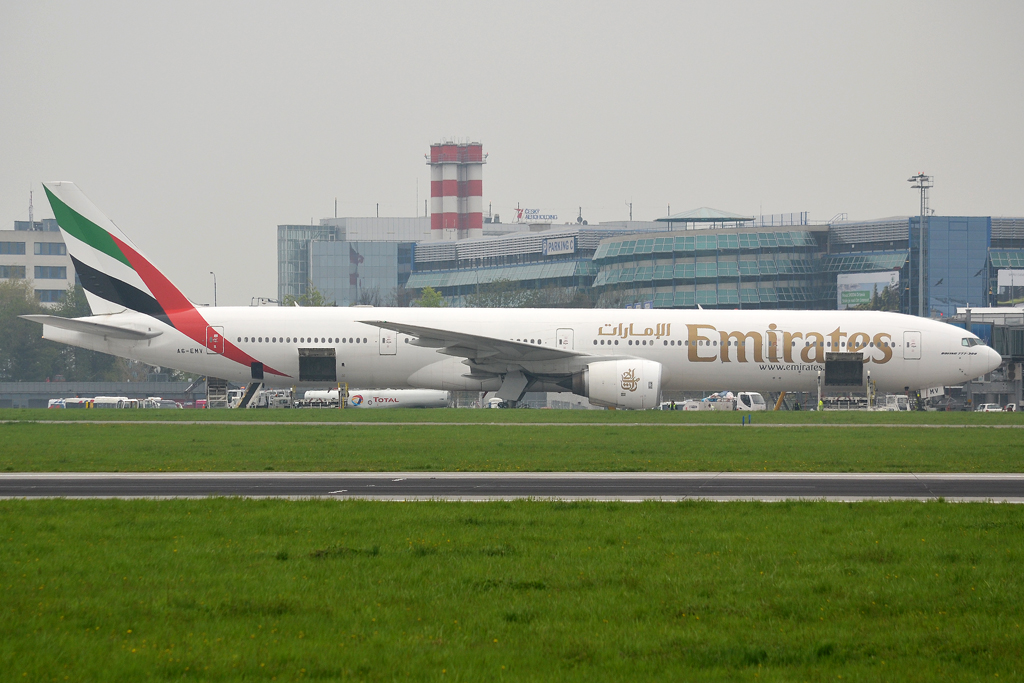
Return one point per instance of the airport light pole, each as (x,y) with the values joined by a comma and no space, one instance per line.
(214,288)
(921,182)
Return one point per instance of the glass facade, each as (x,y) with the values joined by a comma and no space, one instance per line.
(956,258)
(293,253)
(787,266)
(722,268)
(368,273)
(1007,259)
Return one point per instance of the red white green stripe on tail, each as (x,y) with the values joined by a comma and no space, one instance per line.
(117,277)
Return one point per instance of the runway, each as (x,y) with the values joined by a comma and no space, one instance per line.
(477,486)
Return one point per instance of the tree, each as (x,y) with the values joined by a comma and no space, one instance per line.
(24,356)
(370,296)
(399,297)
(619,298)
(312,297)
(886,300)
(503,294)
(565,297)
(430,298)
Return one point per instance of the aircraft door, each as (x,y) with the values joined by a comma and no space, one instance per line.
(772,352)
(318,365)
(214,340)
(388,345)
(911,345)
(563,340)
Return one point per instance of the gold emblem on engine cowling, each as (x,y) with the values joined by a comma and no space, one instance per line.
(629,380)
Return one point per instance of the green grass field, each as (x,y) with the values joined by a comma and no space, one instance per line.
(463,415)
(224,589)
(519,417)
(292,590)
(53,447)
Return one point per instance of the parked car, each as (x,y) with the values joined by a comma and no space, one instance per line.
(989,408)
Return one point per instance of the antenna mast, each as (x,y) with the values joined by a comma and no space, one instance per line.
(923,183)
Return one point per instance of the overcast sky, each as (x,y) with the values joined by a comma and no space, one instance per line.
(198,127)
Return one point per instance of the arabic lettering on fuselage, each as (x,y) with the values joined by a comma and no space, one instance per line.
(706,343)
(658,331)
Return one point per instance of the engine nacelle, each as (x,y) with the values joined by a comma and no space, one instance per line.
(634,384)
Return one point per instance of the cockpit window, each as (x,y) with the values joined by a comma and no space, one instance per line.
(970,341)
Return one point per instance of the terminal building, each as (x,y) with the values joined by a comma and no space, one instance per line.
(703,258)
(706,258)
(350,261)
(35,251)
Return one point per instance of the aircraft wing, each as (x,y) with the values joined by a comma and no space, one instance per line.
(90,327)
(474,346)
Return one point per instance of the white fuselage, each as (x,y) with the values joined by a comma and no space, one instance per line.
(759,350)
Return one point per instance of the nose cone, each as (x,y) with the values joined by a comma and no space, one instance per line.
(986,360)
(990,359)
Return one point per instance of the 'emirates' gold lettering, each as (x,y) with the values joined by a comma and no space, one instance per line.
(780,346)
(693,353)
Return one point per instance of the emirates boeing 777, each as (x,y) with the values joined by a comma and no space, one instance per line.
(616,358)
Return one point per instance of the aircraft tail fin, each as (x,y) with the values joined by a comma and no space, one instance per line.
(114,274)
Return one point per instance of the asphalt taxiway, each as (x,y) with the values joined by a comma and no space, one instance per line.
(474,486)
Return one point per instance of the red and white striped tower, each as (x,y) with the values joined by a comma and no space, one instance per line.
(471,190)
(456,190)
(444,190)
(436,193)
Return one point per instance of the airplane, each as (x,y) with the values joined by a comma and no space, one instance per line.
(616,358)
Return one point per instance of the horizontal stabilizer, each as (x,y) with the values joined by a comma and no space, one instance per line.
(89,327)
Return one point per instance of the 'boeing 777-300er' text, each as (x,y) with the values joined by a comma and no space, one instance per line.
(619,358)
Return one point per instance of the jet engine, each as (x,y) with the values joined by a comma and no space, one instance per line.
(633,384)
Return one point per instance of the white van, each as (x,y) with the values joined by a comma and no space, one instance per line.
(113,402)
(750,401)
